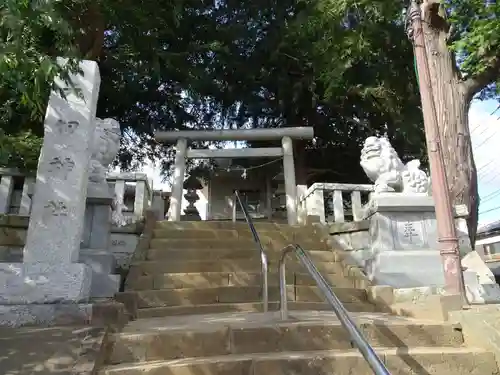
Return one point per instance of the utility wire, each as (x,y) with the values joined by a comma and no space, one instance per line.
(485,141)
(484,130)
(490,210)
(492,193)
(491,179)
(490,196)
(475,128)
(482,177)
(485,165)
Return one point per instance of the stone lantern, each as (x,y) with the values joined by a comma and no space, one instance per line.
(192,184)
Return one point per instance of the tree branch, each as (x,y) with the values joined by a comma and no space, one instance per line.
(476,83)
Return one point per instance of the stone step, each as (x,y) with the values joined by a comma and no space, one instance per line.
(195,243)
(146,268)
(156,312)
(269,244)
(399,361)
(289,235)
(243,333)
(225,224)
(235,253)
(221,234)
(233,294)
(213,279)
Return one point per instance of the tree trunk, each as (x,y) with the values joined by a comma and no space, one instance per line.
(91,25)
(452,99)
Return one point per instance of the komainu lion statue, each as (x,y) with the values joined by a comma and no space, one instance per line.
(105,148)
(383,166)
(106,145)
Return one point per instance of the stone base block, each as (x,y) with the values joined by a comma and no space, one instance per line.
(97,228)
(103,265)
(419,294)
(480,292)
(42,283)
(99,260)
(191,217)
(407,269)
(359,257)
(425,303)
(99,194)
(480,283)
(397,202)
(123,246)
(104,285)
(44,314)
(95,314)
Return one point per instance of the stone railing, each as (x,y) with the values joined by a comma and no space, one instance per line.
(134,190)
(333,202)
(16,191)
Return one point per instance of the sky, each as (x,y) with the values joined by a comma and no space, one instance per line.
(485,134)
(484,125)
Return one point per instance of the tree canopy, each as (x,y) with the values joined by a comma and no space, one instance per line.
(344,67)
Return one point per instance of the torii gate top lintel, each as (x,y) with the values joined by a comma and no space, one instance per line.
(302,133)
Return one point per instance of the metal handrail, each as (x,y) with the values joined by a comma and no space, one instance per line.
(263,256)
(356,336)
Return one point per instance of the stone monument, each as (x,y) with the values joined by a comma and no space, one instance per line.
(404,251)
(96,239)
(50,277)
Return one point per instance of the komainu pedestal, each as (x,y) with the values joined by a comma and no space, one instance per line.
(96,241)
(404,252)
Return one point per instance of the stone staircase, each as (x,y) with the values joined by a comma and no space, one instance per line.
(195,296)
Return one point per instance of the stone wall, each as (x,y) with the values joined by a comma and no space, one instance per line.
(123,243)
(13,229)
(354,238)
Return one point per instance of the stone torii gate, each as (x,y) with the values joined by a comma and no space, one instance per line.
(286,151)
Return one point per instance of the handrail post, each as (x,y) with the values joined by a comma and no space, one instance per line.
(263,256)
(265,287)
(282,276)
(235,198)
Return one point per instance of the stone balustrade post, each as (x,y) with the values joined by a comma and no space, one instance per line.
(140,199)
(6,187)
(28,187)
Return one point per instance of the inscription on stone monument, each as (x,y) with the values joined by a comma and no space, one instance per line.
(62,165)
(67,127)
(410,234)
(56,208)
(118,243)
